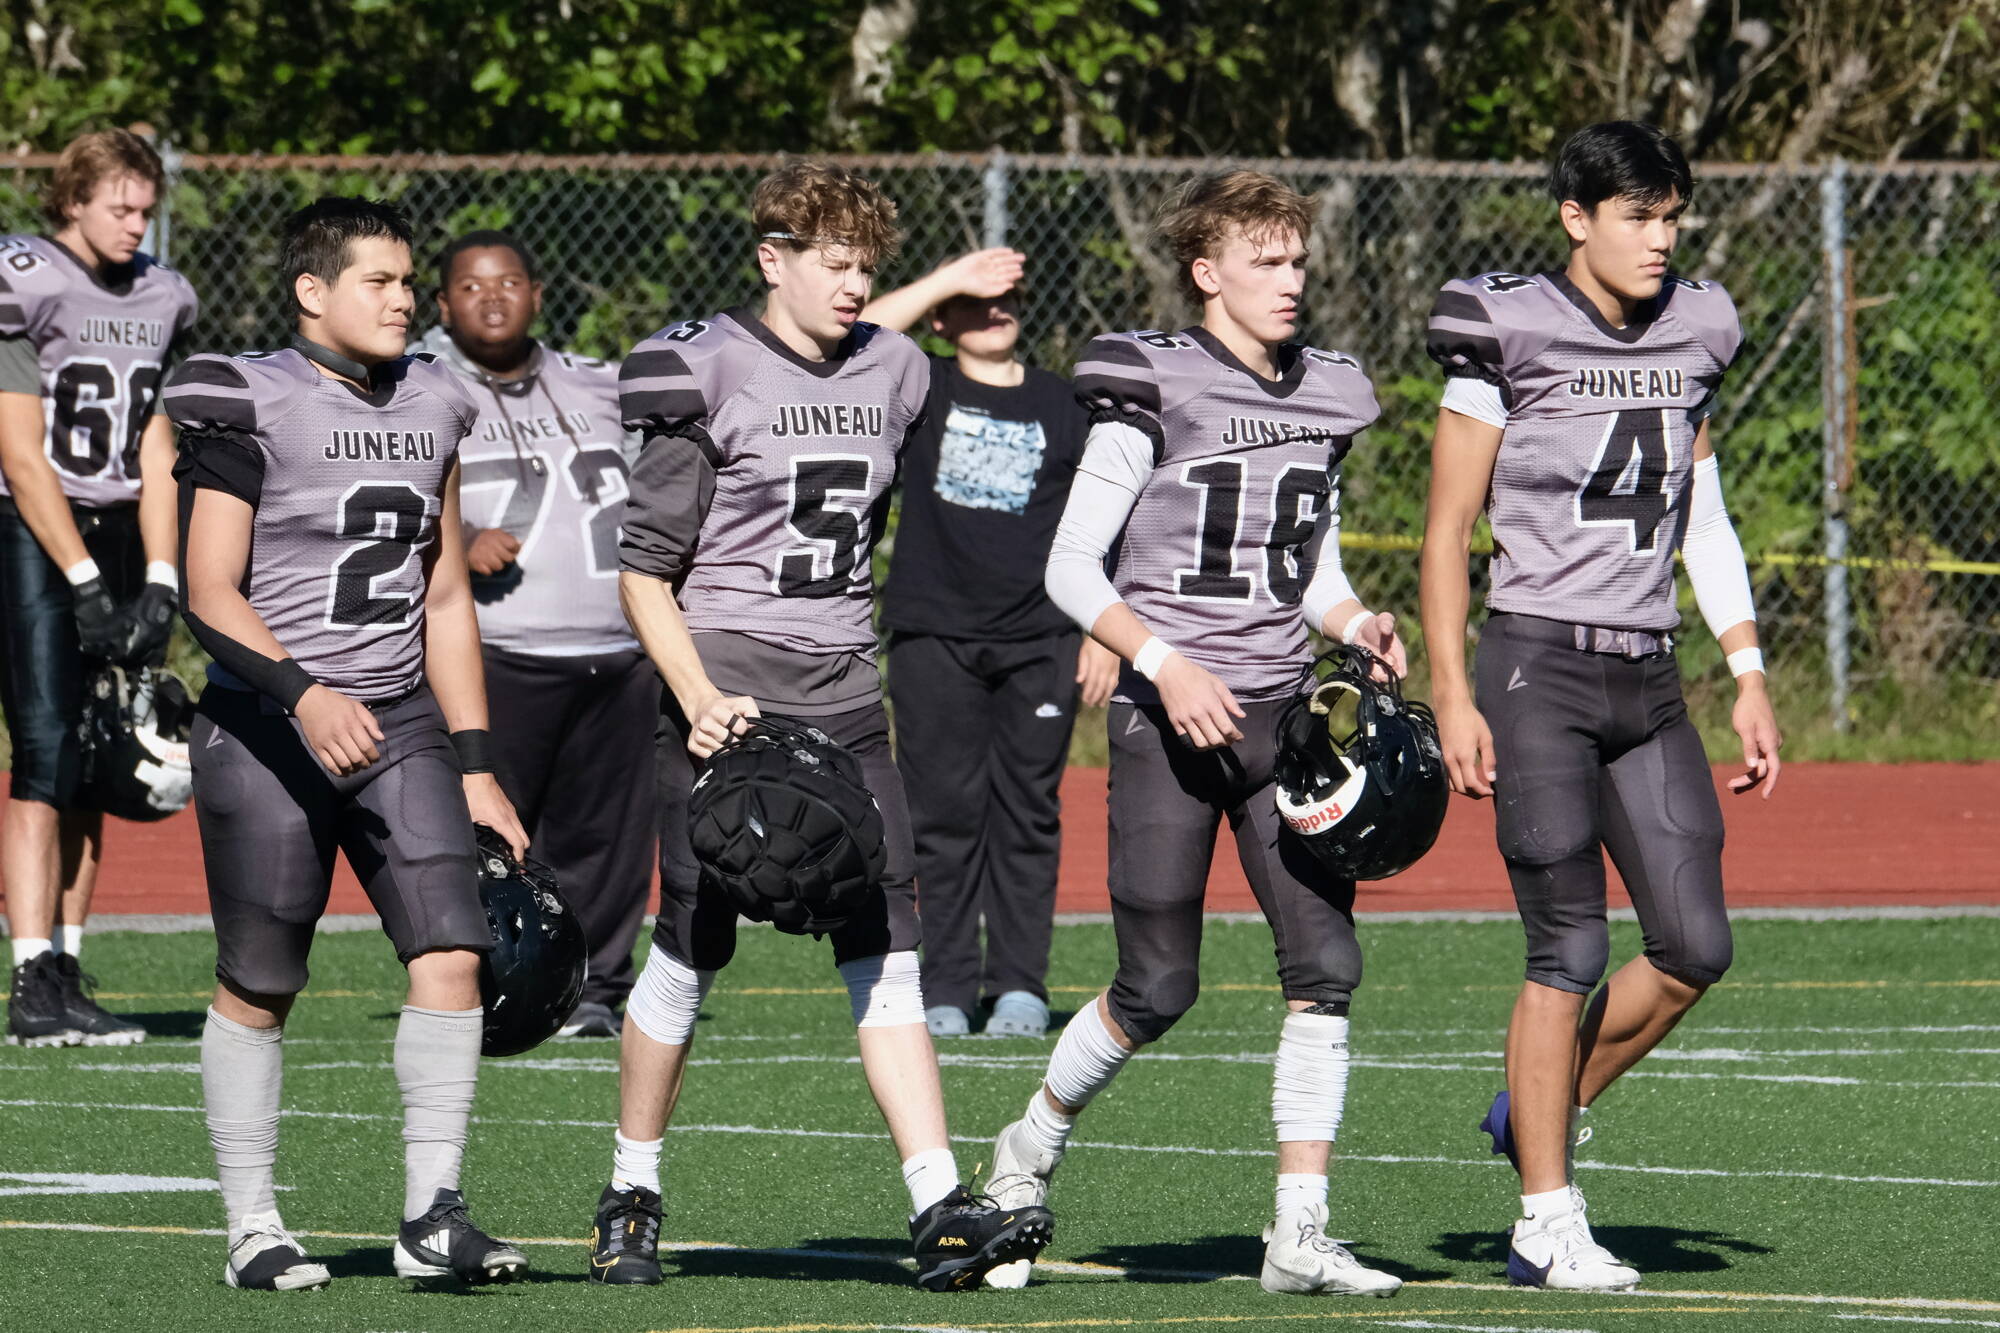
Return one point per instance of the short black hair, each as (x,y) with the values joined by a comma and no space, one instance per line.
(480,240)
(318,238)
(1620,159)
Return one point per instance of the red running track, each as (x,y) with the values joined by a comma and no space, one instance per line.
(1834,835)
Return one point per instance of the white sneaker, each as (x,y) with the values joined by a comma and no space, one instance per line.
(266,1258)
(1019,1179)
(1299,1257)
(1557,1253)
(947,1020)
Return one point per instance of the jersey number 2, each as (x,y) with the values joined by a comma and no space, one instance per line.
(1628,481)
(386,519)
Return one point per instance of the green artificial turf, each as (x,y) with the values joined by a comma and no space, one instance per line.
(1823,1126)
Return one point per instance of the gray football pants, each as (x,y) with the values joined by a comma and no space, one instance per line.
(982,735)
(1167,800)
(272,818)
(1595,753)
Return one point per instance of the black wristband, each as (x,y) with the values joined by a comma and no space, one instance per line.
(474,746)
(288,682)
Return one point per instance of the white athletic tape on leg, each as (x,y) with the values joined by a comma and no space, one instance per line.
(667,998)
(1087,1057)
(1309,1085)
(884,991)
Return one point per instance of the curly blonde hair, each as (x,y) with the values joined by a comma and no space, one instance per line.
(810,203)
(1206,212)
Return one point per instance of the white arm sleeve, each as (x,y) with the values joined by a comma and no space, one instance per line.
(1328,587)
(1117,459)
(1713,555)
(1475,398)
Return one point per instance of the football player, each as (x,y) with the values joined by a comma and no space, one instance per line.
(1576,415)
(345,711)
(87,321)
(983,668)
(771,441)
(1211,472)
(544,483)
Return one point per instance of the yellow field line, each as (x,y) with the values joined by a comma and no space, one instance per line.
(1107,1270)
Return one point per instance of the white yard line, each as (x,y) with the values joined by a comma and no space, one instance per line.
(1385,1159)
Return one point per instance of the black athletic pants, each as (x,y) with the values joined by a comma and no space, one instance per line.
(41,662)
(1595,753)
(573,749)
(982,735)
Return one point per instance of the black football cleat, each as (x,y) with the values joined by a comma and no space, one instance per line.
(962,1237)
(625,1238)
(445,1243)
(99,1026)
(37,1014)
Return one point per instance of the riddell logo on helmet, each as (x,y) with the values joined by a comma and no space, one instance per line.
(1313,821)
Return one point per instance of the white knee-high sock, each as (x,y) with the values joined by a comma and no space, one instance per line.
(242,1074)
(437,1067)
(1309,1084)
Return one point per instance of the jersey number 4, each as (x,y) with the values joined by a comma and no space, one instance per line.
(1295,497)
(827,511)
(1628,482)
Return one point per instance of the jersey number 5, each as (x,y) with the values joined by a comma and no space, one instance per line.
(1295,497)
(827,510)
(1628,481)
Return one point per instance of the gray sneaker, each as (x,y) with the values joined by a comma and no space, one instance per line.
(591,1019)
(947,1020)
(1019,1013)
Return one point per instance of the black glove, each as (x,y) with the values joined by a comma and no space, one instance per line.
(149,619)
(101,628)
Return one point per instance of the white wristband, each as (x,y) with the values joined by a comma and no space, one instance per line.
(1152,655)
(82,572)
(1354,624)
(1746,659)
(160,571)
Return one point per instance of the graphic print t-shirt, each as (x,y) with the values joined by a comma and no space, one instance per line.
(984,484)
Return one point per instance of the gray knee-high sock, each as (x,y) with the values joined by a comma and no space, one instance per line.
(437,1066)
(242,1072)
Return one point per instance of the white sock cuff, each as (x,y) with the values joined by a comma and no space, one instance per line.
(1309,1082)
(69,939)
(885,991)
(249,1036)
(931,1175)
(1087,1057)
(450,1020)
(1546,1203)
(666,1001)
(26,950)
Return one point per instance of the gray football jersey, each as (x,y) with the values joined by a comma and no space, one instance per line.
(1589,498)
(1215,556)
(101,345)
(804,454)
(353,484)
(549,465)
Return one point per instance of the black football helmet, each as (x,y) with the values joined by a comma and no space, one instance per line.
(1366,800)
(782,821)
(532,976)
(135,743)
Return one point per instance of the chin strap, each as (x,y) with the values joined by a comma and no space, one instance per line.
(331,359)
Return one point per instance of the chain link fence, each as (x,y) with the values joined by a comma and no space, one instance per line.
(1856,427)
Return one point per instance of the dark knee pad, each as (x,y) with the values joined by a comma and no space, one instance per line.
(1562,913)
(1147,1007)
(1698,955)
